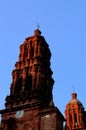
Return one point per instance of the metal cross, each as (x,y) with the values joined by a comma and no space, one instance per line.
(73,88)
(38,26)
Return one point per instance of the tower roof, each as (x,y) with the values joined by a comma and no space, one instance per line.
(74,101)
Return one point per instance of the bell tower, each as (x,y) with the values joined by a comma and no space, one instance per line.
(32,77)
(30,103)
(75,114)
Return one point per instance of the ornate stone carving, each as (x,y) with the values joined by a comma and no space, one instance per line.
(32,72)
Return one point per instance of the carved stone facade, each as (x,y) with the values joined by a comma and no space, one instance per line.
(30,103)
(75,114)
(32,77)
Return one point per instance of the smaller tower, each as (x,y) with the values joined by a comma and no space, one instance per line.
(74,114)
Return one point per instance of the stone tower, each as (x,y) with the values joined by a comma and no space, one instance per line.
(75,114)
(30,103)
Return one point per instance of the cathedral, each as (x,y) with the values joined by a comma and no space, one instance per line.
(30,105)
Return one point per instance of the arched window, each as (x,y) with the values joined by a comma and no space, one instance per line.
(28,85)
(75,119)
(18,86)
(11,124)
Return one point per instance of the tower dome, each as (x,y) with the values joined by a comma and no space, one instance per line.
(74,113)
(74,102)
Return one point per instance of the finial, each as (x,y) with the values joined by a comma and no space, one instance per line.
(37,32)
(74,94)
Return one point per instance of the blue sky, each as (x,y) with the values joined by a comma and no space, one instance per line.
(63,24)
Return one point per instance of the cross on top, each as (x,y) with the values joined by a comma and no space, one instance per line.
(38,26)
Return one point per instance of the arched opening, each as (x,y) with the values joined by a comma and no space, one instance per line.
(11,124)
(75,120)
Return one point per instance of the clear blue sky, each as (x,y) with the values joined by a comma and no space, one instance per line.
(63,24)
